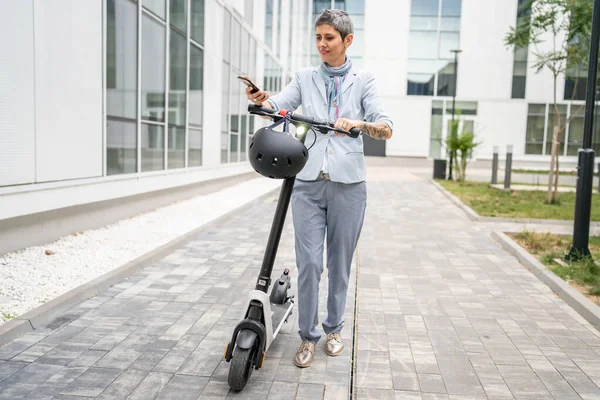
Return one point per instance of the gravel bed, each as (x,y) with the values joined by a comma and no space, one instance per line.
(31,277)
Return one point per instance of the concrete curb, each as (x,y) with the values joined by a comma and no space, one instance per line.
(569,294)
(472,214)
(45,313)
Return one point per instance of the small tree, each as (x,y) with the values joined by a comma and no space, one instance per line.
(570,23)
(461,146)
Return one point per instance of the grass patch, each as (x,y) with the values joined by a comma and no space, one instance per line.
(490,202)
(541,172)
(546,247)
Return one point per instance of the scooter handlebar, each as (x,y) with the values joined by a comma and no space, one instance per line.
(269,112)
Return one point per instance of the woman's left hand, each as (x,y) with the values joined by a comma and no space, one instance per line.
(345,124)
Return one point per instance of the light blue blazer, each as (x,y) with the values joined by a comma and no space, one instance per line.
(345,157)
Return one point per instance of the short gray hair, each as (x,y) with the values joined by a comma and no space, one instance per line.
(339,19)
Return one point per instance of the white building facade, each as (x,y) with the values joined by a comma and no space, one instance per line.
(105,99)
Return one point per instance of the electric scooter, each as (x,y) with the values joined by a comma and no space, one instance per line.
(264,315)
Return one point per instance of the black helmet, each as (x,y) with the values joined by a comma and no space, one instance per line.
(276,154)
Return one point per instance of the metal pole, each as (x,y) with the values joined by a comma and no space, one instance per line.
(495,166)
(453,110)
(585,173)
(508,168)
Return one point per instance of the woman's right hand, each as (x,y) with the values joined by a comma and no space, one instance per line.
(257,97)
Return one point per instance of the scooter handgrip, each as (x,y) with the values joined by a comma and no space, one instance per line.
(354,133)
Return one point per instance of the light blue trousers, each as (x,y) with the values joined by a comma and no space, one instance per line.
(323,207)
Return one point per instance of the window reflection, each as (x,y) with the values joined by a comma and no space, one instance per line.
(197,20)
(153,69)
(432,37)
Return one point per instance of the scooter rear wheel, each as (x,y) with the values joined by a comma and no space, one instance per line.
(240,370)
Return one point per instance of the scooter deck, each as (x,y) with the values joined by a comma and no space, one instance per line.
(279,313)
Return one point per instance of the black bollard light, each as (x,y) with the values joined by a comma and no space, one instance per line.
(508,167)
(495,166)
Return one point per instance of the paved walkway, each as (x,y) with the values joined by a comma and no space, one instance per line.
(442,313)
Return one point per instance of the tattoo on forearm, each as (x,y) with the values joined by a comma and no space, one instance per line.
(380,130)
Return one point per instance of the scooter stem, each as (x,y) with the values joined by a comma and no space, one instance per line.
(264,279)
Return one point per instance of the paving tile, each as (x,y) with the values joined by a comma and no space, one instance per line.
(150,387)
(122,387)
(92,382)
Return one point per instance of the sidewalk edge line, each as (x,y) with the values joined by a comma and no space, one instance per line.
(45,313)
(581,304)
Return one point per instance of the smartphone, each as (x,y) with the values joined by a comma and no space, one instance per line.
(249,83)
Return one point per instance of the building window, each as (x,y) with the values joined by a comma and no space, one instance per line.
(157,136)
(121,87)
(269,24)
(575,82)
(157,7)
(177,99)
(540,128)
(520,54)
(434,32)
(197,21)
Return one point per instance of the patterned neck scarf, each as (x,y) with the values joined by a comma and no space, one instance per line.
(334,77)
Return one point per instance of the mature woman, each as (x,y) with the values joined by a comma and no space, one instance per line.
(330,193)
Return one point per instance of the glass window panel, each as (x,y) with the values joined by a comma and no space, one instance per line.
(153,69)
(355,6)
(448,41)
(446,80)
(196,85)
(426,66)
(157,7)
(243,135)
(252,59)
(319,5)
(245,49)
(194,147)
(233,148)
(518,87)
(249,12)
(424,23)
(521,54)
(520,68)
(420,84)
(121,59)
(575,135)
(269,24)
(424,7)
(177,72)
(466,107)
(235,44)
(451,8)
(450,24)
(178,14)
(534,136)
(197,21)
(537,109)
(225,99)
(278,34)
(423,45)
(224,142)
(358,20)
(226,36)
(176,139)
(153,147)
(121,147)
(562,109)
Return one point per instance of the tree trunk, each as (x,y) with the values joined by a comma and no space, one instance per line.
(553,163)
(556,174)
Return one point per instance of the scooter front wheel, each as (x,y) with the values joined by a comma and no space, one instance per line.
(240,370)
